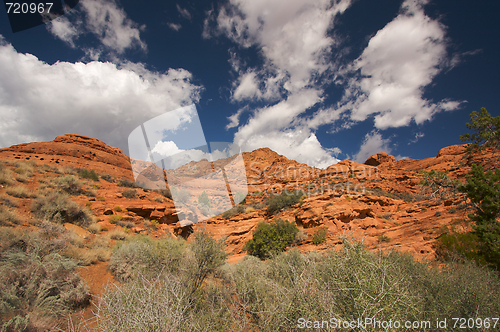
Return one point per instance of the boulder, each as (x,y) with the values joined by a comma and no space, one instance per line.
(379,158)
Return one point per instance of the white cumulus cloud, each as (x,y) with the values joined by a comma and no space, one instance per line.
(396,66)
(98,99)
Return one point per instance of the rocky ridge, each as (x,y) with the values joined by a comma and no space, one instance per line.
(380,201)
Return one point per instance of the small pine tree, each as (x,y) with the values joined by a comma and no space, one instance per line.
(483,189)
(487,130)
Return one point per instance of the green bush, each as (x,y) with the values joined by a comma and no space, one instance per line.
(86,174)
(455,246)
(320,235)
(113,219)
(270,239)
(286,199)
(57,207)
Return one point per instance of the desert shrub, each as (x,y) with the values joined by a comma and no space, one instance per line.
(118,234)
(319,235)
(94,228)
(113,219)
(69,184)
(7,201)
(233,211)
(118,209)
(250,209)
(300,237)
(6,177)
(129,193)
(69,170)
(107,177)
(141,254)
(8,217)
(57,207)
(383,238)
(123,307)
(86,174)
(20,192)
(362,284)
(158,199)
(205,256)
(126,224)
(286,199)
(197,292)
(127,183)
(271,239)
(37,284)
(23,178)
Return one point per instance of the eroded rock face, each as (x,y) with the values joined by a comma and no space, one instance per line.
(379,158)
(452,150)
(75,150)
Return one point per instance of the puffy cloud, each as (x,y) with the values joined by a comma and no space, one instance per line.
(372,144)
(398,63)
(105,20)
(294,44)
(297,144)
(292,35)
(102,100)
(247,88)
(275,127)
(166,149)
(64,30)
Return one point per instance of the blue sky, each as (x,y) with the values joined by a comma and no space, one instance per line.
(317,81)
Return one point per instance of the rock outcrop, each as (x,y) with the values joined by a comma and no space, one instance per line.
(379,158)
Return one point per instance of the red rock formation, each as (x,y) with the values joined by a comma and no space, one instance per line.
(379,158)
